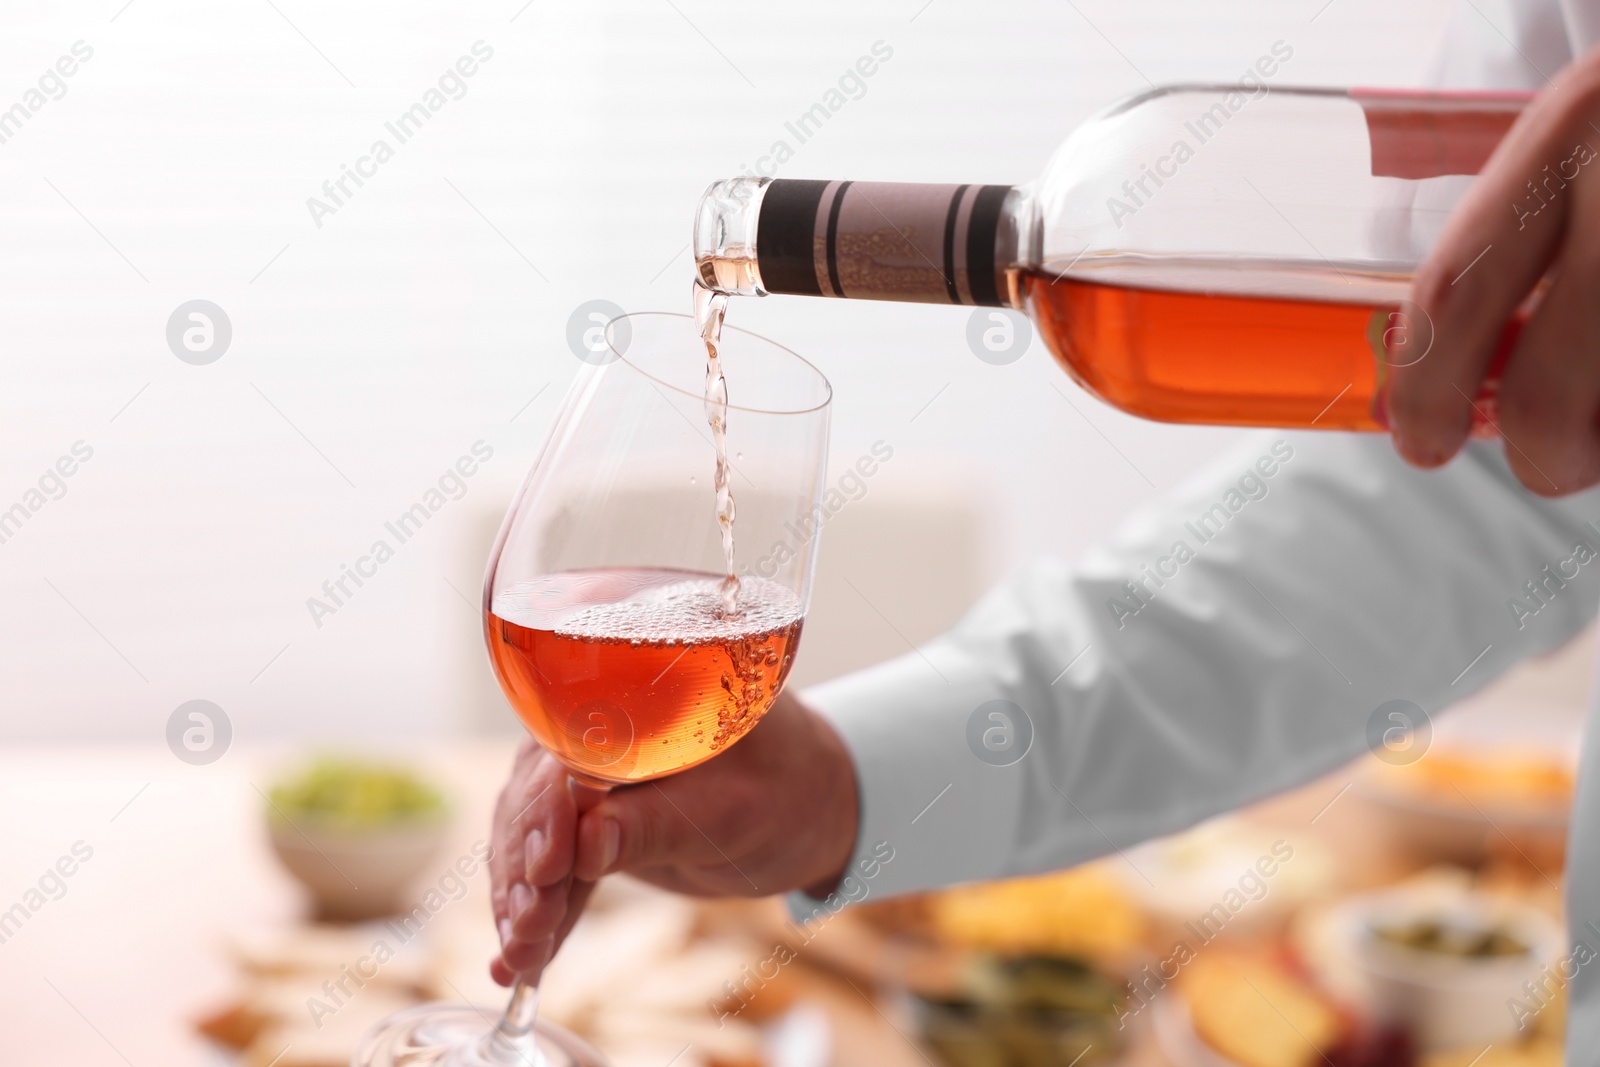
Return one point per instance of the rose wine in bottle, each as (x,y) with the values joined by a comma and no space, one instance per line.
(1232,255)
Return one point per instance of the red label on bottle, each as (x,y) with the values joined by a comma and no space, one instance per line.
(1422,134)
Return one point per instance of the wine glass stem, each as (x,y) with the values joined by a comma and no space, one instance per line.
(520,1010)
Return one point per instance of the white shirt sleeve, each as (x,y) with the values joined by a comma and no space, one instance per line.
(1227,643)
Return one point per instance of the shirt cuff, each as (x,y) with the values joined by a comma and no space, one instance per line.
(935,746)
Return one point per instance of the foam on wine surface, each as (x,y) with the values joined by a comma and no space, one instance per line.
(688,611)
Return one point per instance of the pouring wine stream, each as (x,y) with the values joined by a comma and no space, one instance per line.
(709,309)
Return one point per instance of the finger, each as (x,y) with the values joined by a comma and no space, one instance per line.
(529,958)
(502,974)
(536,820)
(1491,253)
(631,827)
(645,826)
(505,859)
(1551,390)
(542,912)
(537,912)
(549,820)
(600,837)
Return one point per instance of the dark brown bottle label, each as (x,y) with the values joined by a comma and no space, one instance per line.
(882,241)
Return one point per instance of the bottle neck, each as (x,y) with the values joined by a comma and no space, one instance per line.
(932,244)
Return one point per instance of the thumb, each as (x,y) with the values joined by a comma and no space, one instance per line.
(630,829)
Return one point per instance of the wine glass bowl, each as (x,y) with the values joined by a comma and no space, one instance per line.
(603,612)
(604,603)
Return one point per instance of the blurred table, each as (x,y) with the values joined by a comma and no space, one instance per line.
(113,967)
(118,967)
(113,964)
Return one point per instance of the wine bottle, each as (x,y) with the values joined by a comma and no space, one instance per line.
(1224,254)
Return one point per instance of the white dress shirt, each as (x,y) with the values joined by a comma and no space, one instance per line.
(1253,661)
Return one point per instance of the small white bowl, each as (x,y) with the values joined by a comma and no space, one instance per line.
(1443,1000)
(357,873)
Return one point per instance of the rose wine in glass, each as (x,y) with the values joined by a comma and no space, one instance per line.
(629,673)
(626,630)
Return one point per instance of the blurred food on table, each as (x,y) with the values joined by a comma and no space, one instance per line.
(1021,1012)
(1447,937)
(1304,933)
(1080,911)
(306,996)
(356,833)
(648,977)
(1540,1052)
(1228,874)
(344,791)
(1447,960)
(1241,938)
(1532,785)
(1457,801)
(1493,779)
(1251,1011)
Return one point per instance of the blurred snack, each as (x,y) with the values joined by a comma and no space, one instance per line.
(1256,1014)
(870,944)
(1541,1052)
(1235,1009)
(296,1042)
(356,793)
(636,976)
(1084,911)
(911,914)
(234,1025)
(1227,875)
(1022,1012)
(1533,785)
(628,931)
(322,950)
(834,1023)
(720,979)
(1528,866)
(645,973)
(357,834)
(1446,960)
(644,1034)
(287,977)
(295,1010)
(1494,775)
(1449,937)
(710,993)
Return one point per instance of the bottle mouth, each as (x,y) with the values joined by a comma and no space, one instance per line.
(666,348)
(725,236)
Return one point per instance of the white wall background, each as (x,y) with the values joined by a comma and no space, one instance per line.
(431,309)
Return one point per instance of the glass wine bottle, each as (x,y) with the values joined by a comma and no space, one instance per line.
(1224,254)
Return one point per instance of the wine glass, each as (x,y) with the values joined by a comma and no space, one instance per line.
(603,603)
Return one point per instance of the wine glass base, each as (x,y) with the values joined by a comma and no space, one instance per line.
(460,1035)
